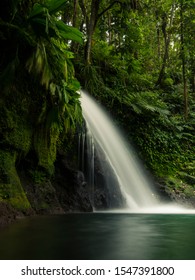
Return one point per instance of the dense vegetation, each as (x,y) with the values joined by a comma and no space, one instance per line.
(137,57)
(140,62)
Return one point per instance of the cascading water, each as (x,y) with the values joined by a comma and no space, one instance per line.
(134,184)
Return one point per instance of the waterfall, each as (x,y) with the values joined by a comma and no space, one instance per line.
(86,158)
(134,184)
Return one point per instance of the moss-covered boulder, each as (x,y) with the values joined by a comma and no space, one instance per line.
(11,190)
(15,131)
(45,141)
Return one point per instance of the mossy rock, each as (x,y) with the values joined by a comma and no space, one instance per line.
(180,187)
(45,146)
(11,190)
(15,131)
(43,197)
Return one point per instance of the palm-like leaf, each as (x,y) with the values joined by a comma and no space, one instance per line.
(55,6)
(43,38)
(145,101)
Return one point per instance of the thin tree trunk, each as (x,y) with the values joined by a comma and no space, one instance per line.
(158,33)
(74,45)
(91,23)
(91,28)
(109,29)
(167,39)
(74,21)
(192,76)
(193,82)
(185,92)
(158,39)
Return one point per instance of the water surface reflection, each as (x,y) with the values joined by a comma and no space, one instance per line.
(101,236)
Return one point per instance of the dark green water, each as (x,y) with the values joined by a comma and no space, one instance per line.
(101,236)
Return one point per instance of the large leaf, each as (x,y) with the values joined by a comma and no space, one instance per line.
(52,7)
(55,6)
(43,27)
(57,28)
(37,10)
(69,32)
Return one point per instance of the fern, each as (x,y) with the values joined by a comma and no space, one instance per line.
(141,102)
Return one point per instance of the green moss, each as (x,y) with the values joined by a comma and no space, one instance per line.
(11,189)
(38,176)
(180,186)
(15,131)
(45,147)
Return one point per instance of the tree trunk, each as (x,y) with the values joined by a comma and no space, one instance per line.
(192,75)
(91,28)
(183,58)
(167,38)
(158,39)
(193,82)
(74,20)
(91,22)
(109,29)
(74,45)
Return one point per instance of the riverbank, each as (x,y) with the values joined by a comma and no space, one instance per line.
(7,214)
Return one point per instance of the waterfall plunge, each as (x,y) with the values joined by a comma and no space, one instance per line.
(134,184)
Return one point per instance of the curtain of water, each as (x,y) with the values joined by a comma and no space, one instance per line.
(86,153)
(134,184)
(90,167)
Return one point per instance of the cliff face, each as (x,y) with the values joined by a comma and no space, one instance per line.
(36,193)
(39,103)
(16,138)
(31,179)
(65,191)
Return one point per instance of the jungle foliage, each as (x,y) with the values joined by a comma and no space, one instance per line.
(139,61)
(137,57)
(39,100)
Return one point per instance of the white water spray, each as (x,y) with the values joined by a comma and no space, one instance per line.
(135,185)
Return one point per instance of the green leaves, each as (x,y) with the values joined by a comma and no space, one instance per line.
(51,30)
(38,64)
(46,24)
(55,6)
(68,32)
(37,10)
(51,7)
(141,102)
(39,44)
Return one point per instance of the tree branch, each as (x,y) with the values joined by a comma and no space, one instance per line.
(108,8)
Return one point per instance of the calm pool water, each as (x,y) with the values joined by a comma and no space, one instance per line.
(101,236)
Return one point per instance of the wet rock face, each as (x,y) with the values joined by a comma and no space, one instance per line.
(71,188)
(7,214)
(102,183)
(167,194)
(65,191)
(107,194)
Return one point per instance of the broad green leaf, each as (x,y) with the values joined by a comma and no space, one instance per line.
(66,98)
(55,6)
(37,10)
(69,32)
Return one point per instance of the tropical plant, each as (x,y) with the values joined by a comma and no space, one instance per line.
(37,41)
(37,75)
